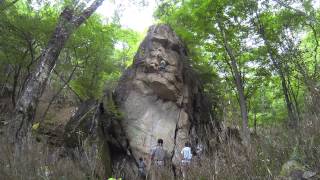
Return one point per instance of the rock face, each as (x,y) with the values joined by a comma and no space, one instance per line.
(166,103)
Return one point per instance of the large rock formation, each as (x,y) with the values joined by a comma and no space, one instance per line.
(166,104)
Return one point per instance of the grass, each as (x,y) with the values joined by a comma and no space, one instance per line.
(270,148)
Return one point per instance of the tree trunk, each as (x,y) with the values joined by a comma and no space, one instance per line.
(310,84)
(255,123)
(239,86)
(15,85)
(291,111)
(68,22)
(293,119)
(7,74)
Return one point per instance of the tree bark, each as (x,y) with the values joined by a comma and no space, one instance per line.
(68,22)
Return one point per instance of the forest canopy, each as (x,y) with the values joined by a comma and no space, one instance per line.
(265,54)
(97,52)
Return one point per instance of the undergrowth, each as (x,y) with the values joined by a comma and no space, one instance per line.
(270,148)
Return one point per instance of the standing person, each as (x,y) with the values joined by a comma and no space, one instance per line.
(186,159)
(199,148)
(157,160)
(142,169)
(199,152)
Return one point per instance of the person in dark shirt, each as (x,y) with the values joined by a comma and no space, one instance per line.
(158,155)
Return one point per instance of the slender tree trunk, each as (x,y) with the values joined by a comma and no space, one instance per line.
(68,22)
(32,61)
(17,72)
(295,99)
(63,80)
(255,123)
(15,84)
(7,74)
(310,84)
(242,102)
(239,86)
(291,111)
(285,89)
(57,94)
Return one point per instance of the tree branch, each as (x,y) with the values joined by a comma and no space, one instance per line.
(8,6)
(59,91)
(87,12)
(66,82)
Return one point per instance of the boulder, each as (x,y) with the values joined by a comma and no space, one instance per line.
(162,103)
(293,170)
(149,103)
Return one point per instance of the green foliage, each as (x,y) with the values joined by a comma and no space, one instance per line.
(101,51)
(197,22)
(126,46)
(98,56)
(92,47)
(92,50)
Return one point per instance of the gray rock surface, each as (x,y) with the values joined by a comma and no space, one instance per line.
(156,103)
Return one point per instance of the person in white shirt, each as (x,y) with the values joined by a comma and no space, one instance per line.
(186,159)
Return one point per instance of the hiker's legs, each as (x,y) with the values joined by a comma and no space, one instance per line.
(142,175)
(153,172)
(156,172)
(184,169)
